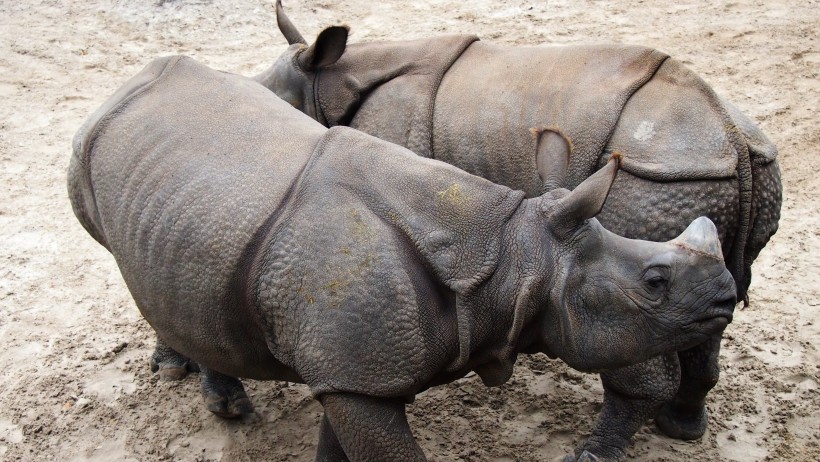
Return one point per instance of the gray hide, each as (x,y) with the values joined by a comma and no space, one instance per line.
(261,244)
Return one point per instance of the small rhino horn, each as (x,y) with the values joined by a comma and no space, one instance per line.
(701,236)
(286,27)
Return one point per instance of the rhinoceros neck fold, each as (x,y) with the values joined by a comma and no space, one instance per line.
(454,219)
(388,88)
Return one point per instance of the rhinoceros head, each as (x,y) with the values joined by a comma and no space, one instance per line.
(617,301)
(293,74)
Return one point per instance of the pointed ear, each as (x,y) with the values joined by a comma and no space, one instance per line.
(286,27)
(586,200)
(326,50)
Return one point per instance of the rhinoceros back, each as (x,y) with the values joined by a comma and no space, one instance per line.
(178,176)
(493,98)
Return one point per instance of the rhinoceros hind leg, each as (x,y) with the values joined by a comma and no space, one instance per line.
(225,395)
(685,416)
(170,364)
(371,428)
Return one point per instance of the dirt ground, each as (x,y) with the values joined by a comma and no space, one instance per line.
(74,377)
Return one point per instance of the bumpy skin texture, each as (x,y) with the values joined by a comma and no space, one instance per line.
(686,152)
(257,243)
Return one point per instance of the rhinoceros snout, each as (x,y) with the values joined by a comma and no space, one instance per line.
(720,311)
(725,307)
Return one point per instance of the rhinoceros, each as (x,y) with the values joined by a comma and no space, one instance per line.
(261,244)
(535,118)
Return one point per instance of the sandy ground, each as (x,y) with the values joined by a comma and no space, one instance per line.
(74,379)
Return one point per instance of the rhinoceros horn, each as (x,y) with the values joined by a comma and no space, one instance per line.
(702,237)
(288,29)
(587,199)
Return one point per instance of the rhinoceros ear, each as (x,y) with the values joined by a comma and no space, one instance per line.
(286,27)
(587,199)
(553,150)
(326,50)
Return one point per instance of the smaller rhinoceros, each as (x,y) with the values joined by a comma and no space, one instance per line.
(261,244)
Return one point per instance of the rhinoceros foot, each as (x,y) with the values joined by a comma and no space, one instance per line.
(171,365)
(225,395)
(682,423)
(585,456)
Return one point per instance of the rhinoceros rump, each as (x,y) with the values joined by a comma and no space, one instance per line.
(261,244)
(536,118)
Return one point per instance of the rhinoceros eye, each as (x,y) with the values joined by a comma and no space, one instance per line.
(655,278)
(656,282)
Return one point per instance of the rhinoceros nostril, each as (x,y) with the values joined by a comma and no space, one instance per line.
(727,298)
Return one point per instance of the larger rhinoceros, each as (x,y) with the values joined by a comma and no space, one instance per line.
(262,244)
(533,118)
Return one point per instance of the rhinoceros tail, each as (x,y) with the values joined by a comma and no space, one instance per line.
(765,195)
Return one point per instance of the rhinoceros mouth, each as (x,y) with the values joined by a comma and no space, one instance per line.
(717,317)
(715,323)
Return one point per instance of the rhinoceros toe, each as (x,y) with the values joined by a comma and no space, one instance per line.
(171,365)
(225,396)
(584,456)
(682,424)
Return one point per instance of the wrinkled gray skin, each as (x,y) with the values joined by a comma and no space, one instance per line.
(536,118)
(260,244)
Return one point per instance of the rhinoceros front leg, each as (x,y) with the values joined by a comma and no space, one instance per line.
(330,450)
(366,429)
(632,395)
(685,416)
(170,364)
(224,395)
